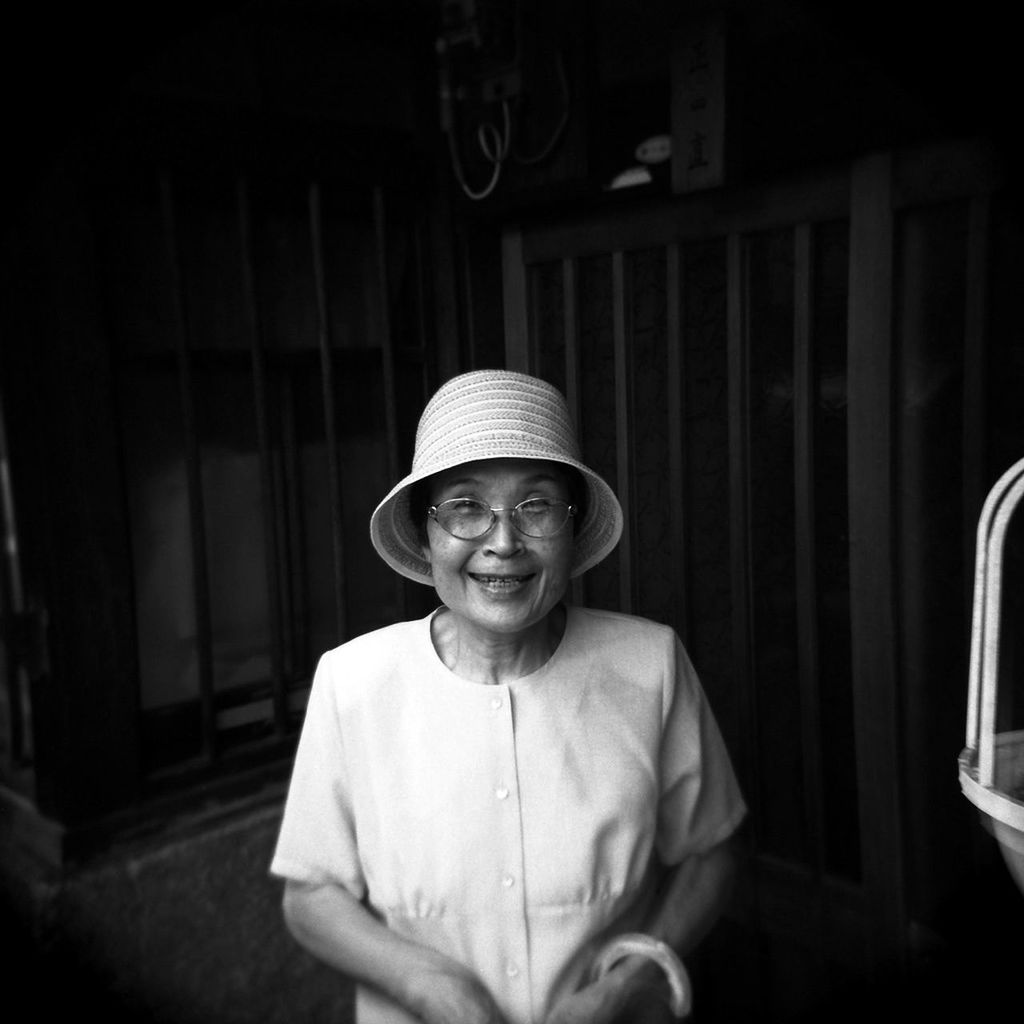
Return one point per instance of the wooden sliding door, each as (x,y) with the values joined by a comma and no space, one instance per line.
(731,363)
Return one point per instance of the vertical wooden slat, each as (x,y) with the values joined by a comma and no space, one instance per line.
(442,325)
(739,517)
(387,355)
(804,539)
(427,299)
(621,327)
(533,287)
(330,416)
(752,886)
(516,302)
(296,635)
(804,404)
(571,333)
(18,680)
(974,418)
(193,475)
(676,397)
(571,328)
(974,393)
(271,514)
(872,586)
(443,275)
(468,318)
(387,358)
(421,288)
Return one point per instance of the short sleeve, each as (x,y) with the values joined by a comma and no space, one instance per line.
(317,841)
(700,803)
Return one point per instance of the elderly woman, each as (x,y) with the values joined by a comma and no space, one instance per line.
(513,811)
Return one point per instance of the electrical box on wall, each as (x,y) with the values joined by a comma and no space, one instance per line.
(566,98)
(512,90)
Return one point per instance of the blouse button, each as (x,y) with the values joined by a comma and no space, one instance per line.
(508,881)
(496,703)
(501,792)
(512,970)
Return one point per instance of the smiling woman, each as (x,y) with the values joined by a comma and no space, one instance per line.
(484,798)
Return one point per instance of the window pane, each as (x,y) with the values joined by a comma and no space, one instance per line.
(161,535)
(303,467)
(370,592)
(236,536)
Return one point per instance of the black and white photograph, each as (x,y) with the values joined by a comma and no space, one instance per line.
(512,513)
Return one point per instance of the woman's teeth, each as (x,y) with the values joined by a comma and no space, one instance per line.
(499,582)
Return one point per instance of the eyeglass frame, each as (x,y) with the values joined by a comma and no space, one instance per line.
(570,510)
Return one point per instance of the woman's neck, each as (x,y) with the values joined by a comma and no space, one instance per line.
(493,659)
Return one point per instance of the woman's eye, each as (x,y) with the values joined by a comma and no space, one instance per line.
(537,511)
(465,508)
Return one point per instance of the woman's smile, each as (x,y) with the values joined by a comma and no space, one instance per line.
(501,583)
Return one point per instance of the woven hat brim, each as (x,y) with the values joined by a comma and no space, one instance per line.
(396,539)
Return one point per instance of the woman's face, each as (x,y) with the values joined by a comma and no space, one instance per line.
(504,582)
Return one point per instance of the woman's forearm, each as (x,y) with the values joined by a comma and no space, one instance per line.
(337,929)
(693,895)
(332,925)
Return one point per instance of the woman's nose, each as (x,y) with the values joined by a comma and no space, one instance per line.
(504,539)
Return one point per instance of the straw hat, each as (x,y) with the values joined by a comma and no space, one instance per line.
(493,414)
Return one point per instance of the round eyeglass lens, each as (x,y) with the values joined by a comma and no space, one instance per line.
(464,518)
(541,517)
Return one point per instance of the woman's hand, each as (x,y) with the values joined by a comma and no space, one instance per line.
(595,1004)
(631,993)
(453,997)
(634,991)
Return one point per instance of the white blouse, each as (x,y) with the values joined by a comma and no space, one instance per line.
(513,827)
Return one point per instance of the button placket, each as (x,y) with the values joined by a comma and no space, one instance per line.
(508,880)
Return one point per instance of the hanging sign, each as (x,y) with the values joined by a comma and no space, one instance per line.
(698,105)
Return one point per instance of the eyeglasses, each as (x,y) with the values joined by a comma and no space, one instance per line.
(469,519)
